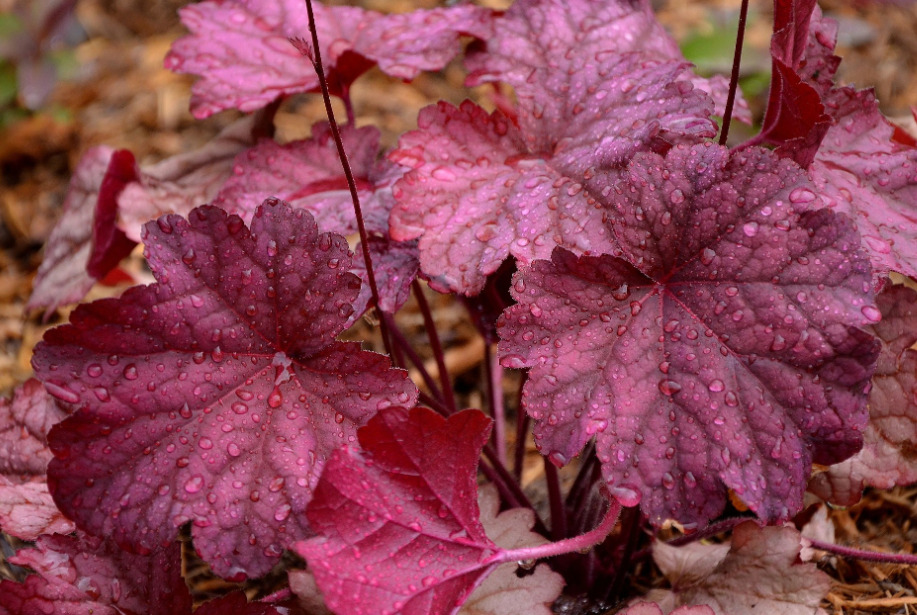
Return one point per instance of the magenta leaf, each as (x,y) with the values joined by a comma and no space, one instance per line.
(484,187)
(308,174)
(862,171)
(26,507)
(83,575)
(888,457)
(398,518)
(242,49)
(215,395)
(85,244)
(726,356)
(541,44)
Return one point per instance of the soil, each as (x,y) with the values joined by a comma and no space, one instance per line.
(114,91)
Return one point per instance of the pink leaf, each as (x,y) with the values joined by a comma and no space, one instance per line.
(398,519)
(888,457)
(91,576)
(26,507)
(215,395)
(85,244)
(480,190)
(862,171)
(728,357)
(242,48)
(540,44)
(761,573)
(178,184)
(24,424)
(308,174)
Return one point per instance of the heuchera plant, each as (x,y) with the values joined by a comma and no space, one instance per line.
(698,323)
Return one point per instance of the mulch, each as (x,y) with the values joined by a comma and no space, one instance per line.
(117,93)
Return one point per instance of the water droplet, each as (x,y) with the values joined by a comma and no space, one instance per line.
(275,399)
(668,481)
(731,399)
(871,313)
(130,372)
(717,385)
(282,512)
(338,418)
(707,255)
(750,229)
(233,449)
(239,408)
(94,370)
(205,443)
(677,196)
(272,248)
(558,459)
(194,484)
(669,387)
(628,496)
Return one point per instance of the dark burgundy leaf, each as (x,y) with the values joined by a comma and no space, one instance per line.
(728,356)
(888,457)
(83,575)
(803,67)
(242,49)
(398,518)
(862,171)
(109,243)
(215,395)
(236,603)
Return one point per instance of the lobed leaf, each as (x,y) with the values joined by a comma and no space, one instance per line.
(721,351)
(398,518)
(83,575)
(888,457)
(26,508)
(862,171)
(85,243)
(215,395)
(308,175)
(241,49)
(760,572)
(561,43)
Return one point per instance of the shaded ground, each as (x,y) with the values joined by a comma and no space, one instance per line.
(115,92)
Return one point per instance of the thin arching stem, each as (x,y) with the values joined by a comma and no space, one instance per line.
(734,80)
(348,172)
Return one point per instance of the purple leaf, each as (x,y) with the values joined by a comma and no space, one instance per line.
(888,457)
(728,357)
(85,244)
(398,520)
(540,43)
(215,395)
(862,171)
(237,603)
(242,49)
(83,575)
(178,184)
(308,174)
